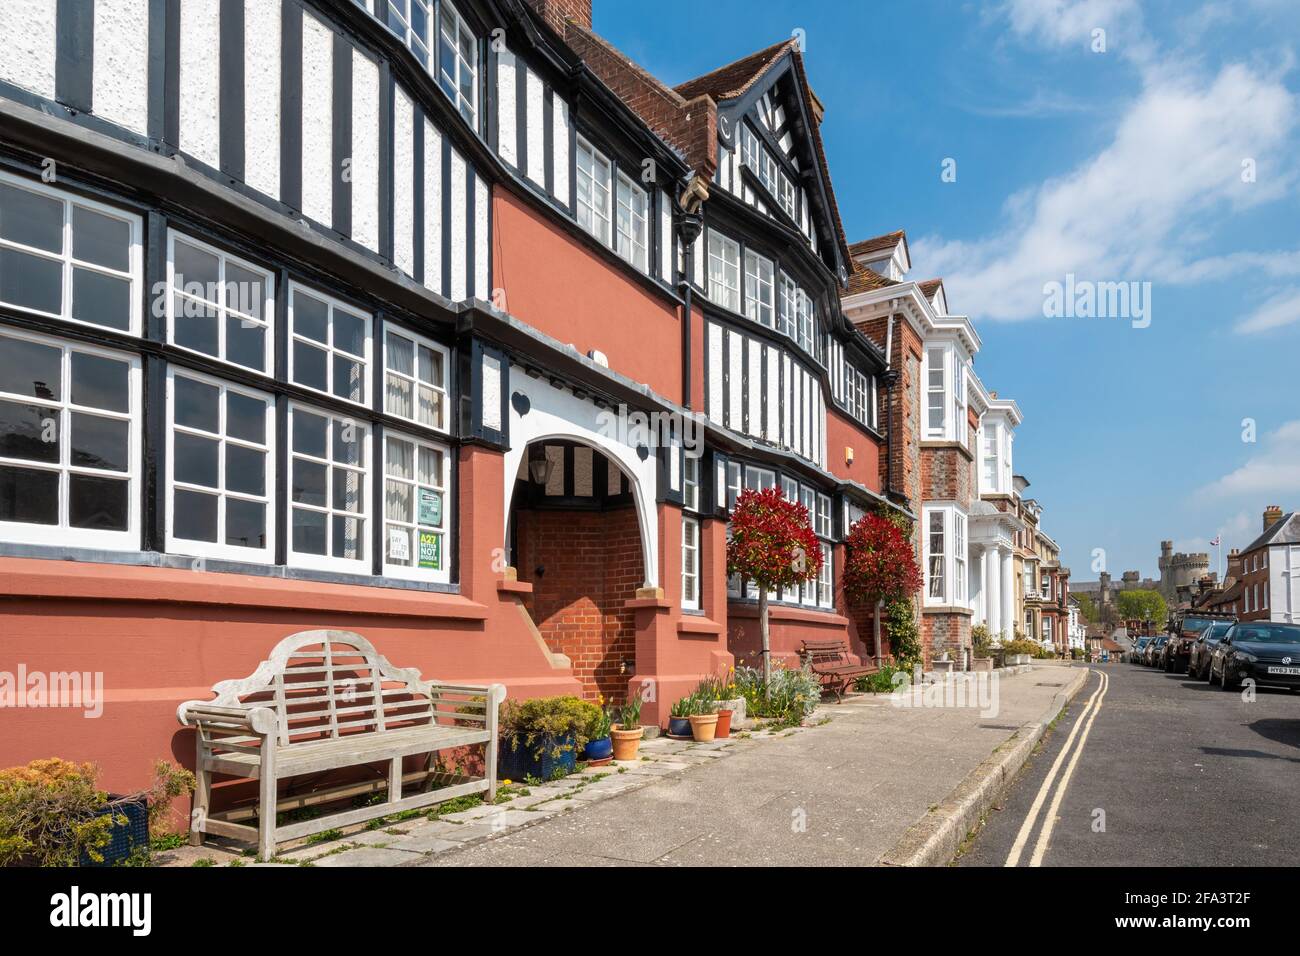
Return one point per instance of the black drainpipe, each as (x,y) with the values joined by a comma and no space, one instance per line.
(689,227)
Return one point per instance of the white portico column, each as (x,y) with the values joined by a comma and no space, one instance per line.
(993,581)
(1008,595)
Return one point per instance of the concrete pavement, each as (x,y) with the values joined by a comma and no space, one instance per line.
(842,793)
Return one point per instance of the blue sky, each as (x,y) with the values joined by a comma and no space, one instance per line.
(1123,165)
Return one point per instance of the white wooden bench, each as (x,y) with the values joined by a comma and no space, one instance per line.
(323,701)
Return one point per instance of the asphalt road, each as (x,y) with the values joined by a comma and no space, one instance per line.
(1160,771)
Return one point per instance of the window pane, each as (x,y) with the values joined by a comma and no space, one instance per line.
(347,490)
(430,407)
(401,459)
(97,503)
(430,466)
(245,343)
(309,433)
(194,325)
(31,282)
(31,219)
(196,271)
(101,239)
(245,523)
(245,290)
(245,470)
(245,418)
(349,379)
(310,317)
(99,442)
(309,482)
(399,546)
(309,366)
(30,432)
(349,332)
(196,404)
(399,498)
(347,541)
(308,531)
(196,460)
(400,355)
(99,382)
(29,495)
(31,369)
(430,366)
(399,397)
(348,440)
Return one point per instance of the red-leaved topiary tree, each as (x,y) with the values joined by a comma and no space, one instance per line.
(773,545)
(879,565)
(880,569)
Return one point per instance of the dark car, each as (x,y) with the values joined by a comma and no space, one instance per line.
(1139,647)
(1262,651)
(1198,660)
(1151,656)
(1183,633)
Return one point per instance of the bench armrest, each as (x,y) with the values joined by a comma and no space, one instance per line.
(256,720)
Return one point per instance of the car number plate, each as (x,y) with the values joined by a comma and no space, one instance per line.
(1291,671)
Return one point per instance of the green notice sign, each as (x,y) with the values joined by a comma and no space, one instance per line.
(431,550)
(430,507)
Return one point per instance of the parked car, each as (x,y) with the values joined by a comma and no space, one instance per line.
(1198,660)
(1262,651)
(1139,647)
(1184,629)
(1151,656)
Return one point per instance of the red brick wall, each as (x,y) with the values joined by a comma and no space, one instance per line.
(557,12)
(583,566)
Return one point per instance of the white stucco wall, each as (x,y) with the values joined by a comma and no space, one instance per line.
(560,138)
(262,96)
(482,240)
(403,182)
(317,117)
(200,80)
(535,115)
(507,135)
(27,37)
(365,150)
(432,208)
(120,86)
(458,212)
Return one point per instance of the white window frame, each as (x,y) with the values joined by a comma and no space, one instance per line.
(633,245)
(690,547)
(826,578)
(936,584)
(418,341)
(953,526)
(327,561)
(941,392)
(959,566)
(414,42)
(415,573)
(68,262)
(724,278)
(222,309)
(597,224)
(760,289)
(467,108)
(691,481)
(218,549)
(333,304)
(63,533)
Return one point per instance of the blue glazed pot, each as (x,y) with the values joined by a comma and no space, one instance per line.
(679,726)
(599,749)
(516,764)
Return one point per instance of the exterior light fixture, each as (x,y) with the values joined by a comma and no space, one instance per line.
(539,464)
(848,454)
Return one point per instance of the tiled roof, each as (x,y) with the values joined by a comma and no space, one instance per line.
(862,279)
(735,79)
(884,243)
(930,286)
(1284,531)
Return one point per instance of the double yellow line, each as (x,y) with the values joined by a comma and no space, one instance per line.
(1084,722)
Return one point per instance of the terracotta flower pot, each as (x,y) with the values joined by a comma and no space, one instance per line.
(704,726)
(626,742)
(724,724)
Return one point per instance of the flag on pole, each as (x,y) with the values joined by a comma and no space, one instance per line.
(1215,542)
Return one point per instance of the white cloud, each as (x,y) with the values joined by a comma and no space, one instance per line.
(1282,309)
(1274,469)
(1139,208)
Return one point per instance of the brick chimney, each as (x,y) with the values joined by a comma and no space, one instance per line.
(1272,515)
(557,12)
(1235,566)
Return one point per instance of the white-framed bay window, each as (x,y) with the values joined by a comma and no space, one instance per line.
(760,289)
(68,257)
(945,541)
(458,63)
(594,194)
(329,498)
(690,564)
(69,443)
(415,378)
(936,392)
(724,271)
(219,305)
(329,345)
(220,468)
(417,476)
(632,239)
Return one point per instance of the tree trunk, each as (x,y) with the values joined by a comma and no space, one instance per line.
(767,648)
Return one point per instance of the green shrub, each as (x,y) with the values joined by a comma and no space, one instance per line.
(51,812)
(564,723)
(881,682)
(981,640)
(792,696)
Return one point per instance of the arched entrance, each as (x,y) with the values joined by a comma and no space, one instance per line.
(574,534)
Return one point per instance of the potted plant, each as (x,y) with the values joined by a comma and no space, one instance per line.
(599,745)
(943,663)
(726,699)
(982,642)
(627,732)
(542,737)
(703,718)
(679,718)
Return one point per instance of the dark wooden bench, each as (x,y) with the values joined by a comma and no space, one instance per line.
(829,660)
